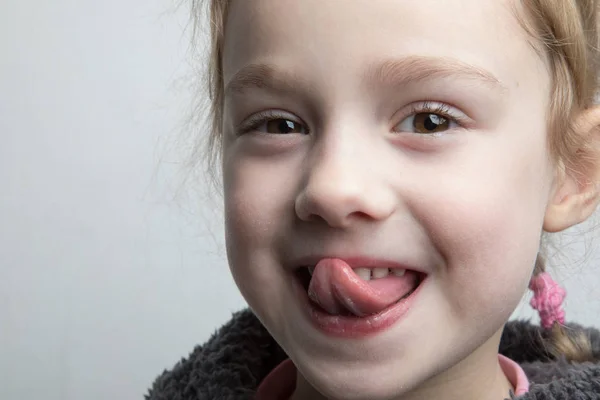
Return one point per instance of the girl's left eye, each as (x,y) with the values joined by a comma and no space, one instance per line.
(429,121)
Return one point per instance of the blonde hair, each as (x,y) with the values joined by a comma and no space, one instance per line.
(566,35)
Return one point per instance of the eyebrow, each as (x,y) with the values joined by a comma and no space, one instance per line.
(418,69)
(396,72)
(263,76)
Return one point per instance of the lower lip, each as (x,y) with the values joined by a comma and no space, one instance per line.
(355,327)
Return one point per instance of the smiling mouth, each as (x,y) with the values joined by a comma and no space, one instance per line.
(338,290)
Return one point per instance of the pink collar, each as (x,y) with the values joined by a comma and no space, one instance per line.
(281,382)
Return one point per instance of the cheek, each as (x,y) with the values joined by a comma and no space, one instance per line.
(485,218)
(258,195)
(490,253)
(258,200)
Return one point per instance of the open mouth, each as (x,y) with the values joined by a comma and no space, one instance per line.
(358,292)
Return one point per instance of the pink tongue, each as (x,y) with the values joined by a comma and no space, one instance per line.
(336,287)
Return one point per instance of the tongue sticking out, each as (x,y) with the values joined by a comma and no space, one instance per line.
(336,288)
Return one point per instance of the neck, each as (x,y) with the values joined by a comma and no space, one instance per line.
(477,377)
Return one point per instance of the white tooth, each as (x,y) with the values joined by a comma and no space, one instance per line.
(364,273)
(311,270)
(398,272)
(380,273)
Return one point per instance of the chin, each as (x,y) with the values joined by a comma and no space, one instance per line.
(366,379)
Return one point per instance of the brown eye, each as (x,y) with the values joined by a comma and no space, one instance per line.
(430,119)
(281,126)
(430,123)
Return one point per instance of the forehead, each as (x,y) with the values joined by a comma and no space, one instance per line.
(313,38)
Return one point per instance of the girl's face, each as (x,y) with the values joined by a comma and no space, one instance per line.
(411,132)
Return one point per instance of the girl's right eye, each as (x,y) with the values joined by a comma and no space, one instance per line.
(280,126)
(273,124)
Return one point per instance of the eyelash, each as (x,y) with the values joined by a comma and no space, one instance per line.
(258,119)
(433,107)
(429,107)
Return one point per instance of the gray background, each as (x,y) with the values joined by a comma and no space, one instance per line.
(110,270)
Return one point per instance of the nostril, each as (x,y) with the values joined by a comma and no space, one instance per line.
(343,210)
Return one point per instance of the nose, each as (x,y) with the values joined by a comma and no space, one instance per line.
(342,186)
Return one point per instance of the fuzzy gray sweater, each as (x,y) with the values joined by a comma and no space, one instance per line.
(231,365)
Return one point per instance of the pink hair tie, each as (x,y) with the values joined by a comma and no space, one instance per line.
(547,299)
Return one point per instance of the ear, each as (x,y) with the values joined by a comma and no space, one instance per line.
(576,193)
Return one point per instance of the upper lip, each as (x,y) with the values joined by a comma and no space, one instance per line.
(357,262)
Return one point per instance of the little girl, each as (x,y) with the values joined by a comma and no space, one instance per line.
(389,170)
